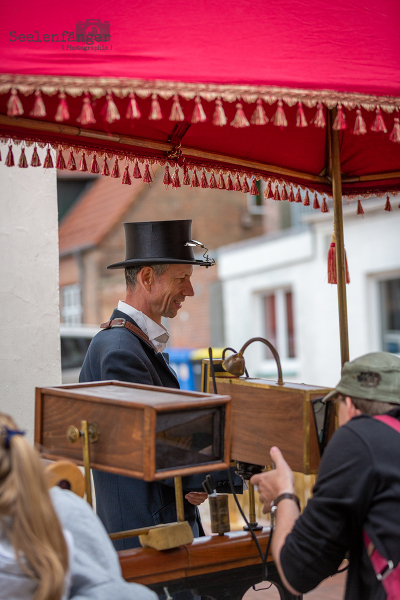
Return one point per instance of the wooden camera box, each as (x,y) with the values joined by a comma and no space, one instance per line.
(146,432)
(265,414)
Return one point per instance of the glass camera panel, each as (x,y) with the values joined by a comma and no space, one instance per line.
(189,438)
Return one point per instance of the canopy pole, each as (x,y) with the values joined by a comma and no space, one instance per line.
(340,260)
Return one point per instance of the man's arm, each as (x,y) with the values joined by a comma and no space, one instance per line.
(271,485)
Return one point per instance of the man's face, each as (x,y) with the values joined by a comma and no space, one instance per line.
(169,290)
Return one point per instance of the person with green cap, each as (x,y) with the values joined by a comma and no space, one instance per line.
(355,508)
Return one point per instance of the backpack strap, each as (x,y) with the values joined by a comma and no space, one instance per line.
(385,571)
(133,328)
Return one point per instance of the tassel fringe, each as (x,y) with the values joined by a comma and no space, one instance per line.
(360,127)
(86,117)
(10,157)
(301,120)
(82,164)
(126,178)
(62,113)
(48,161)
(240,119)
(195,180)
(105,170)
(219,116)
(199,116)
(35,162)
(259,117)
(136,171)
(133,111)
(155,113)
(279,117)
(14,105)
(39,109)
(395,135)
(340,121)
(176,111)
(147,175)
(23,163)
(379,124)
(319,119)
(115,170)
(94,167)
(71,165)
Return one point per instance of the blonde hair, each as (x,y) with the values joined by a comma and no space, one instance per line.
(34,529)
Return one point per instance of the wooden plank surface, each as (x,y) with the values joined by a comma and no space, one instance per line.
(205,555)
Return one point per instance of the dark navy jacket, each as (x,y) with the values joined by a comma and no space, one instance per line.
(123,502)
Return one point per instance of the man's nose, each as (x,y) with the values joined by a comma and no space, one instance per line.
(188,289)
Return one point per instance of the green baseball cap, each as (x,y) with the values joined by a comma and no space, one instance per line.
(374,376)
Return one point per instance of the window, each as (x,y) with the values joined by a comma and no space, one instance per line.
(71,308)
(389,292)
(279,323)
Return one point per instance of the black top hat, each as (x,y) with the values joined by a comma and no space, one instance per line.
(160,242)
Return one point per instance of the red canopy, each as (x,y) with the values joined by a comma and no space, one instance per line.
(238,89)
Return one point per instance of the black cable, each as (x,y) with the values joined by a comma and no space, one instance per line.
(262,555)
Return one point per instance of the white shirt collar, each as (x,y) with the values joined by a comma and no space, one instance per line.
(157,334)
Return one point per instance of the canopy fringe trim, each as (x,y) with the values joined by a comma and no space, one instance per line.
(277,188)
(92,89)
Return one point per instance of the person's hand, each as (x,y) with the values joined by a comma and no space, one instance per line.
(196,498)
(273,483)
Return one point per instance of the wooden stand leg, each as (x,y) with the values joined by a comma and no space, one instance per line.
(180,513)
(86,461)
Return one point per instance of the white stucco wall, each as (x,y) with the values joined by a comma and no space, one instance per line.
(299,260)
(29,301)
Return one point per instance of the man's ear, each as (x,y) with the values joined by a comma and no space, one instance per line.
(351,409)
(145,278)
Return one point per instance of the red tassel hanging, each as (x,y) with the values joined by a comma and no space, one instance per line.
(35,162)
(301,120)
(86,117)
(340,121)
(39,109)
(259,117)
(23,163)
(279,118)
(219,117)
(332,276)
(126,178)
(132,111)
(175,179)
(229,184)
(48,161)
(186,180)
(254,189)
(213,182)
(199,116)
(147,175)
(237,187)
(115,170)
(136,170)
(176,111)
(284,195)
(268,190)
(71,165)
(60,165)
(195,180)
(360,127)
(388,206)
(155,113)
(379,123)
(221,182)
(277,195)
(298,198)
(14,105)
(167,177)
(395,135)
(10,157)
(240,119)
(324,207)
(360,210)
(105,170)
(203,180)
(319,119)
(110,111)
(62,113)
(245,186)
(94,167)
(82,164)
(291,194)
(316,204)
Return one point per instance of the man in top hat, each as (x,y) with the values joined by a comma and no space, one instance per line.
(158,267)
(355,508)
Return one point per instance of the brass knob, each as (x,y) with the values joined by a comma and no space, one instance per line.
(73,434)
(94,432)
